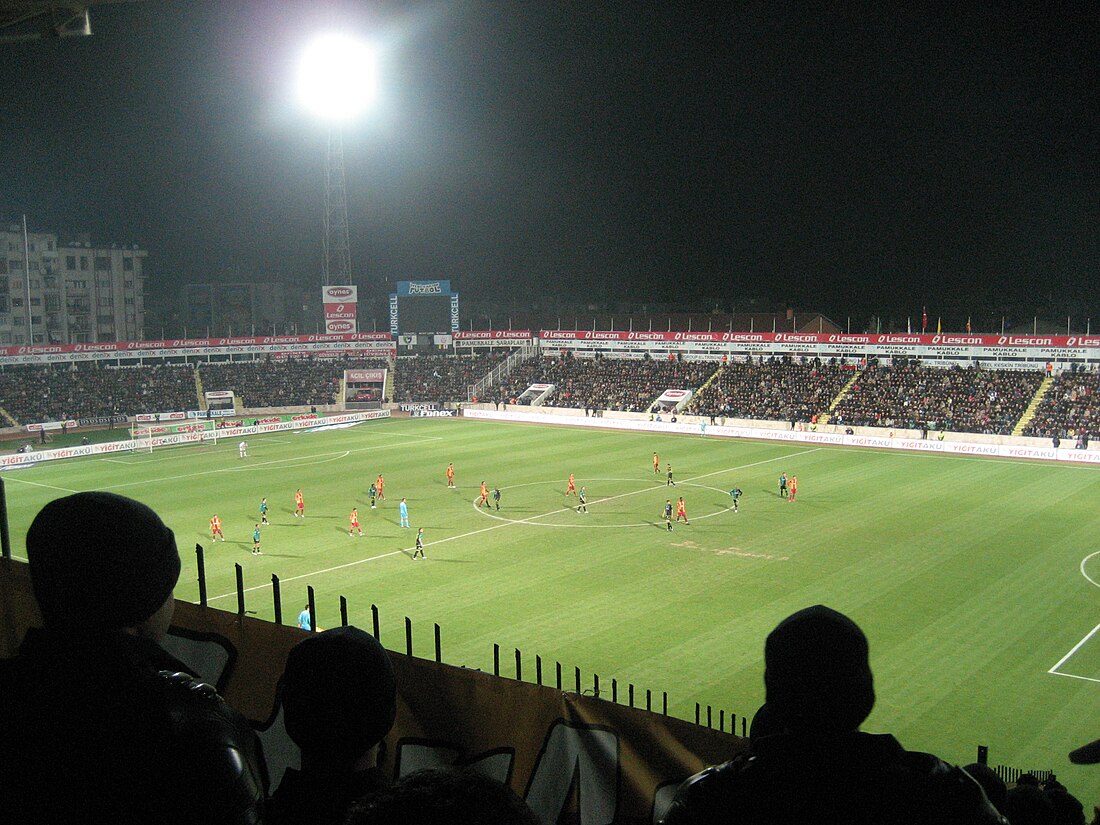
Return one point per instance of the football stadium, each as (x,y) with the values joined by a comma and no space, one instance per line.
(561,413)
(965,551)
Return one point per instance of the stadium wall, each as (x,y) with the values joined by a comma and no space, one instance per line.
(1003,446)
(573,758)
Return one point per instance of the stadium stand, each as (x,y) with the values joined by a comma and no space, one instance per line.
(606,384)
(51,393)
(442,378)
(290,383)
(777,389)
(908,395)
(1072,405)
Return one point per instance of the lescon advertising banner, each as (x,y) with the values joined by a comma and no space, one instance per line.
(339,304)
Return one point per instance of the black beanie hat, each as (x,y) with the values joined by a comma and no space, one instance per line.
(817,674)
(100,561)
(339,694)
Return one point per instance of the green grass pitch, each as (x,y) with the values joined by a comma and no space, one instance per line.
(971,576)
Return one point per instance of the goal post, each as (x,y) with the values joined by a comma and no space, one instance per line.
(147,436)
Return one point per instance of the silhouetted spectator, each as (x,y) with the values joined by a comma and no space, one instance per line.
(994,787)
(1029,805)
(443,796)
(821,769)
(1068,809)
(99,724)
(339,700)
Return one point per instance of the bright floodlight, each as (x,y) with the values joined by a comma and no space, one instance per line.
(337,78)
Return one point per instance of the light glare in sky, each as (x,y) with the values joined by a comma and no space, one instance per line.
(337,77)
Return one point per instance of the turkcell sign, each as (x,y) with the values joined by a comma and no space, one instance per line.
(454,312)
(407,288)
(393,313)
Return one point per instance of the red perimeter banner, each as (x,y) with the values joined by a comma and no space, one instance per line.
(138,347)
(944,339)
(493,335)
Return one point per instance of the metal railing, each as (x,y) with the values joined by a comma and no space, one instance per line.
(704,714)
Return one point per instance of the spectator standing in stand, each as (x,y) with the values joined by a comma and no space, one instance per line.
(818,766)
(99,723)
(339,698)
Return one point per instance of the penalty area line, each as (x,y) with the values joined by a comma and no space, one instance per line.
(1054,670)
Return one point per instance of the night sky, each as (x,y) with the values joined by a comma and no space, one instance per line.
(846,157)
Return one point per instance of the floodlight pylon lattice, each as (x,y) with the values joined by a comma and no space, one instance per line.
(337,251)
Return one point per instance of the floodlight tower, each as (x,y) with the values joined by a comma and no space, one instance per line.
(337,82)
(337,248)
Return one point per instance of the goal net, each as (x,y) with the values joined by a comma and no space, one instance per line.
(146,437)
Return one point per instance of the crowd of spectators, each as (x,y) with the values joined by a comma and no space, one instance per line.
(605,383)
(1070,409)
(909,395)
(905,394)
(290,383)
(33,395)
(777,389)
(442,379)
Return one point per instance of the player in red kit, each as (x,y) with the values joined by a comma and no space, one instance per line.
(656,465)
(354,517)
(792,486)
(572,488)
(681,511)
(299,504)
(216,529)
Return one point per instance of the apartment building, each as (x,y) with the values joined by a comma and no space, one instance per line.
(58,289)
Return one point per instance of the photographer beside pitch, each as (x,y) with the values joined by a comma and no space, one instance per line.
(101,724)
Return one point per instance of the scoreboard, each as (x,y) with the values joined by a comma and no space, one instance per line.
(423,307)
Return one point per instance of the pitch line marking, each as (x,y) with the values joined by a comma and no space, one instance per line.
(1088,578)
(279,461)
(40,484)
(1072,651)
(530,519)
(473,533)
(1074,676)
(1054,670)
